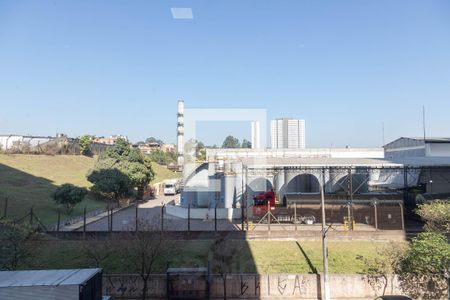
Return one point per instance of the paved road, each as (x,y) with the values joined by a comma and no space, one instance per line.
(150,212)
(149,215)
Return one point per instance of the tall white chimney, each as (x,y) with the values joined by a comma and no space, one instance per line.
(180,132)
(256,139)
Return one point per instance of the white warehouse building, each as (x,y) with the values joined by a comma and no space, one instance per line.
(417,147)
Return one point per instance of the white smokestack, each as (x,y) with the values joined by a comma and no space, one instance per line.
(180,132)
(256,139)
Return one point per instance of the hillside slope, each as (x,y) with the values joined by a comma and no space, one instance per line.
(29,180)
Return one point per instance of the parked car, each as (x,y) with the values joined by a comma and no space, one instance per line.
(171,187)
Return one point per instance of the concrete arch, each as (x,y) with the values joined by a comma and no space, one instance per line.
(197,191)
(303,183)
(359,183)
(258,185)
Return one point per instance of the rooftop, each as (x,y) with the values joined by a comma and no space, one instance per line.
(346,162)
(46,277)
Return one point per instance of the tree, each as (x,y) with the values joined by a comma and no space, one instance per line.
(162,158)
(194,150)
(436,214)
(85,142)
(246,144)
(144,250)
(118,162)
(381,269)
(151,140)
(231,142)
(424,266)
(200,151)
(111,183)
(223,255)
(14,244)
(97,251)
(69,195)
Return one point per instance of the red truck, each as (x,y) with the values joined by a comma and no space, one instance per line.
(261,202)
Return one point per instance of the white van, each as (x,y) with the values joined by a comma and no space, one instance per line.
(171,187)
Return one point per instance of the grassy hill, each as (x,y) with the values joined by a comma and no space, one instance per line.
(29,180)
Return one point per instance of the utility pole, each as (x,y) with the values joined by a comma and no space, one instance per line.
(326,281)
(423,123)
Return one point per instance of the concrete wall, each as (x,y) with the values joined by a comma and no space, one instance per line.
(438,149)
(213,154)
(8,142)
(202,213)
(253,286)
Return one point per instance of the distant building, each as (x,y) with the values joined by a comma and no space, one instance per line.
(110,140)
(168,148)
(288,133)
(149,148)
(17,142)
(256,132)
(417,147)
(180,133)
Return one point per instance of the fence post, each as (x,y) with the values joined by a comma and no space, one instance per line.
(189,218)
(107,213)
(136,218)
(6,207)
(295,215)
(31,215)
(59,221)
(242,218)
(402,217)
(84,223)
(376,216)
(268,215)
(112,213)
(162,217)
(215,218)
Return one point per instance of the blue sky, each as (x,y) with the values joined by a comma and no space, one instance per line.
(107,67)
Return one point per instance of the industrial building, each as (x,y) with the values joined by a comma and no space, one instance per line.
(354,179)
(417,147)
(180,133)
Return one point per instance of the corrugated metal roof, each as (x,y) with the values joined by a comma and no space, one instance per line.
(346,162)
(421,139)
(46,277)
(318,162)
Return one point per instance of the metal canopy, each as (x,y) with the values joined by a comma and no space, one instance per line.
(46,277)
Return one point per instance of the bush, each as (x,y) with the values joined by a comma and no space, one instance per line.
(14,246)
(110,183)
(85,142)
(121,169)
(423,268)
(162,158)
(436,214)
(69,195)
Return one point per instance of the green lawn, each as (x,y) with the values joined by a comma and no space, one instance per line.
(162,173)
(29,180)
(254,256)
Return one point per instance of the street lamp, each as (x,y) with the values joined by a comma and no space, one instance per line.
(326,282)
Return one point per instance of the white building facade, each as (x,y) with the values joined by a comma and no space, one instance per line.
(287,133)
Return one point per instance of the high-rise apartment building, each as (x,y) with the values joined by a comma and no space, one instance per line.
(287,133)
